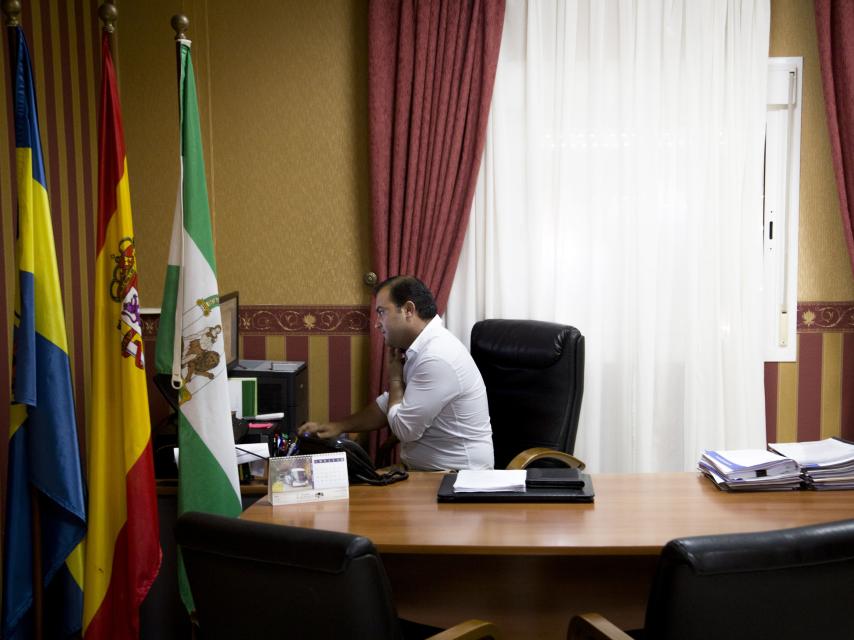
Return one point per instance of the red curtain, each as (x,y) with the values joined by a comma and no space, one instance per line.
(431,68)
(835,18)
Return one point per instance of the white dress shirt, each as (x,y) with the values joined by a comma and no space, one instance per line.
(443,419)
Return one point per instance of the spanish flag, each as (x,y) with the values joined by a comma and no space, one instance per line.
(44,475)
(122,545)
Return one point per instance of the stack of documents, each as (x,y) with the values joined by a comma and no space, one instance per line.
(825,464)
(470,481)
(750,470)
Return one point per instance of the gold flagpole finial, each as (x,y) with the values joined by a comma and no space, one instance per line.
(108,14)
(12,9)
(180,23)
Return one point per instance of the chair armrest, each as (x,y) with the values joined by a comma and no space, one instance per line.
(528,456)
(469,630)
(592,626)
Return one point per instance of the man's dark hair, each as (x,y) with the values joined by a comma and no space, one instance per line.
(404,288)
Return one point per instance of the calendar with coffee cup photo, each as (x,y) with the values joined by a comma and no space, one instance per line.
(321,476)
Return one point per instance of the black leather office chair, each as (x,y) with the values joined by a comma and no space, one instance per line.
(786,584)
(534,376)
(261,580)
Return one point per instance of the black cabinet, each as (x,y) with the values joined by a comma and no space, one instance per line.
(282,386)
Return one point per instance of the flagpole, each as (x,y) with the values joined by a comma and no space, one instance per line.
(180,23)
(38,585)
(108,14)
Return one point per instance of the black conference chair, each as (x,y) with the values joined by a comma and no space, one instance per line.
(534,376)
(261,580)
(785,584)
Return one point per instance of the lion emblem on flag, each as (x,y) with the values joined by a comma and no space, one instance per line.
(199,357)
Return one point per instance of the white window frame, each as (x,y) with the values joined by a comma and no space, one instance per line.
(781,207)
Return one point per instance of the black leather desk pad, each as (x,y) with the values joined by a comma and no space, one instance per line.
(545,494)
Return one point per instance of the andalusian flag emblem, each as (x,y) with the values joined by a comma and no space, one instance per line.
(189,341)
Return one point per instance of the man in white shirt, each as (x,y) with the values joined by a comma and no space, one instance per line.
(436,400)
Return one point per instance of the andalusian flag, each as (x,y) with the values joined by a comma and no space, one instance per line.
(189,340)
(44,458)
(123,542)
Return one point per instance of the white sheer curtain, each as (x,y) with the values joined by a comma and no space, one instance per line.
(621,193)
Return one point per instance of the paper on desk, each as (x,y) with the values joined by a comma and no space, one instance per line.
(490,480)
(246,452)
(743,464)
(252,451)
(829,452)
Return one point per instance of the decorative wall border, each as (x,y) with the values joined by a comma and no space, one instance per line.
(308,320)
(150,324)
(813,317)
(819,317)
(291,320)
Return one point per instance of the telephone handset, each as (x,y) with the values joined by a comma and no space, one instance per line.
(360,467)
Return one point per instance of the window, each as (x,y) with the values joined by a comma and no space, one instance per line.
(780,216)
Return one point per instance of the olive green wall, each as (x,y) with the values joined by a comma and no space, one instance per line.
(283,99)
(283,95)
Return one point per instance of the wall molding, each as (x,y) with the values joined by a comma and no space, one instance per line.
(261,320)
(813,317)
(819,317)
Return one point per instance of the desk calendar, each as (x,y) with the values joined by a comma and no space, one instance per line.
(296,479)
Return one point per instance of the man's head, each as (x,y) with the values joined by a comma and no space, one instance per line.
(404,307)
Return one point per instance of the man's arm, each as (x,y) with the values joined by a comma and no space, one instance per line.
(368,419)
(371,417)
(394,359)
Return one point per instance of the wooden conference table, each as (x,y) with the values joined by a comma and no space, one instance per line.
(530,567)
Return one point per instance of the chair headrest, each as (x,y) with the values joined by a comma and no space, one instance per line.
(521,343)
(764,550)
(330,551)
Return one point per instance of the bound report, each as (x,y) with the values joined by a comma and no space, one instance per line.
(750,470)
(822,464)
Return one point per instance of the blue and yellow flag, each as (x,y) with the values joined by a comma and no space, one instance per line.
(44,458)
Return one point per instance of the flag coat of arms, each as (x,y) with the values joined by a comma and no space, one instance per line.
(123,541)
(189,339)
(44,470)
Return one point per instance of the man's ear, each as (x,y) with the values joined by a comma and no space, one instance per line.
(409,308)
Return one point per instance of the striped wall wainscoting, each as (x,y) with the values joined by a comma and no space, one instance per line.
(809,399)
(813,398)
(332,340)
(63,39)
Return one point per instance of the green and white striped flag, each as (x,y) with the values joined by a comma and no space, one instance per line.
(189,340)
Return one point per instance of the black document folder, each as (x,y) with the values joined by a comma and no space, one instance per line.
(555,477)
(531,494)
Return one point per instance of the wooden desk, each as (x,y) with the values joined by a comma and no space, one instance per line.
(529,567)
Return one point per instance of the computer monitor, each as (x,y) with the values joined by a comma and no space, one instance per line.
(228,307)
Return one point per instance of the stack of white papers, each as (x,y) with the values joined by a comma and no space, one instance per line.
(501,480)
(750,470)
(825,464)
(246,452)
